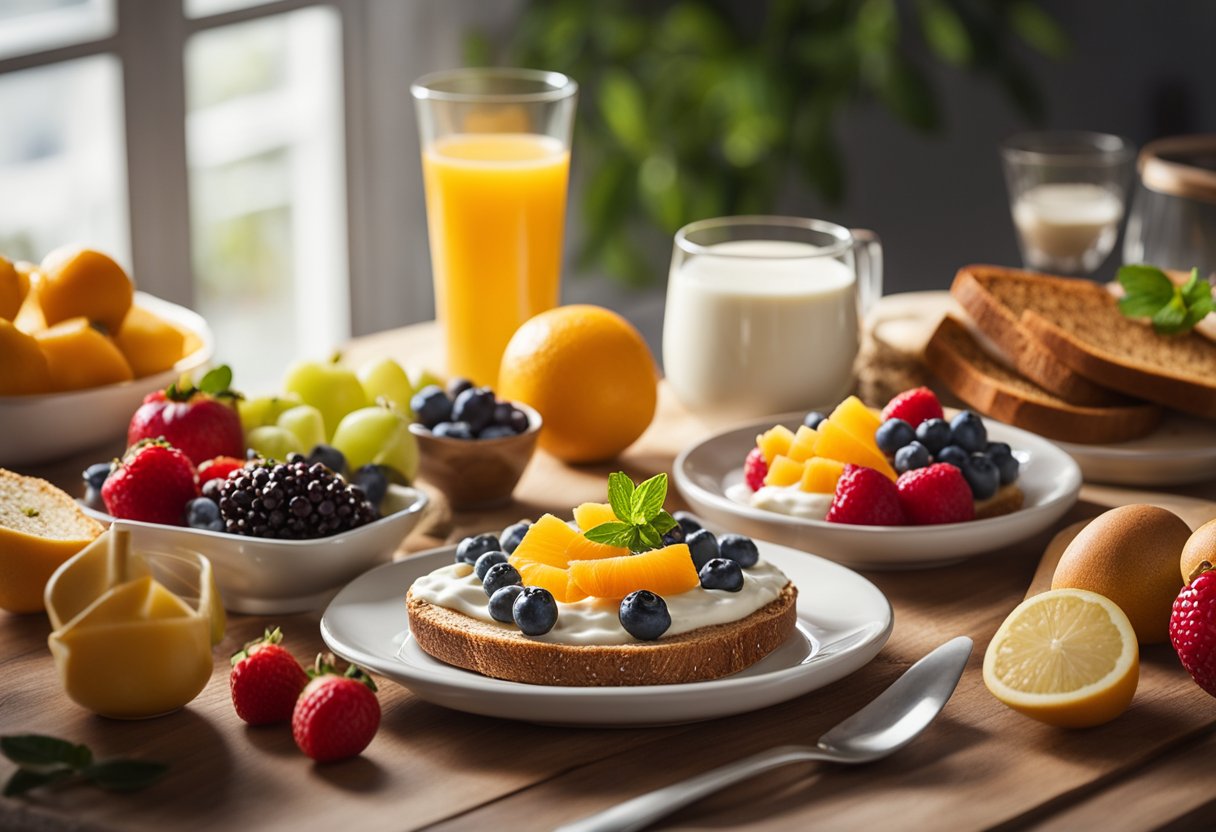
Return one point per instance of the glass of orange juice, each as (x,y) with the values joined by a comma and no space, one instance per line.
(495,163)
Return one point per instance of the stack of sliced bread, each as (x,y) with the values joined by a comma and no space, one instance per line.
(1056,356)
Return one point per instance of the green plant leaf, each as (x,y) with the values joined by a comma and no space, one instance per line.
(648,499)
(945,32)
(650,539)
(1146,281)
(612,534)
(1196,289)
(623,108)
(1039,29)
(125,775)
(1171,318)
(905,91)
(217,380)
(620,495)
(24,779)
(663,522)
(36,751)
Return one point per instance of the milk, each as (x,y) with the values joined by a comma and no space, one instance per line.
(760,326)
(1067,225)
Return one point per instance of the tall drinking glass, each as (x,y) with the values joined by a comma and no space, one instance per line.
(495,163)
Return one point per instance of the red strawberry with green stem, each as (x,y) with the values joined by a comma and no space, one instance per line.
(201,421)
(1193,627)
(266,680)
(153,483)
(336,715)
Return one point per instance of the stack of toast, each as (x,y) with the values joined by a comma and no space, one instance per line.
(1055,356)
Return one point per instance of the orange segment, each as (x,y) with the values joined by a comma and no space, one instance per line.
(557,581)
(783,471)
(836,443)
(803,447)
(856,418)
(552,542)
(775,441)
(666,571)
(590,515)
(821,475)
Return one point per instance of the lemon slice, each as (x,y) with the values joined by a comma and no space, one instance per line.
(1066,657)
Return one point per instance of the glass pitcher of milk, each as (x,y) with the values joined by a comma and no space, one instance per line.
(763,313)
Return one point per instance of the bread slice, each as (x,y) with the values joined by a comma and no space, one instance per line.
(505,653)
(978,289)
(990,387)
(1079,322)
(35,507)
(1008,499)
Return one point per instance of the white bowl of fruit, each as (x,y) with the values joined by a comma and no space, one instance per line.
(80,349)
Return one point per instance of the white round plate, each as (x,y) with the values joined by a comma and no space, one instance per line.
(1049,480)
(1180,451)
(843,621)
(37,429)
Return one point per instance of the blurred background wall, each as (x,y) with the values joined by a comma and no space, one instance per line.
(259,161)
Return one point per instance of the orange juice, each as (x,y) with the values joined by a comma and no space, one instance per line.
(496,205)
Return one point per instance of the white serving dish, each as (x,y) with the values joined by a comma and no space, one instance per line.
(43,428)
(1182,450)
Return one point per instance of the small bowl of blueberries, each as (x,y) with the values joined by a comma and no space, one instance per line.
(472,446)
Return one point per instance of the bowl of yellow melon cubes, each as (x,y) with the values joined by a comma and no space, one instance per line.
(80,348)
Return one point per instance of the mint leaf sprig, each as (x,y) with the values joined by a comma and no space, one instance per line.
(46,761)
(641,521)
(1149,293)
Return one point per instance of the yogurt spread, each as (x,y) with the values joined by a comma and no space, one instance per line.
(790,500)
(595,621)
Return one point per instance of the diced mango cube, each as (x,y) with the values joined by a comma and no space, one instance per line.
(836,443)
(775,441)
(857,419)
(784,471)
(803,447)
(821,475)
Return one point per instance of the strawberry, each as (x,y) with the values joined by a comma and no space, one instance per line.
(200,421)
(266,680)
(1193,627)
(336,716)
(913,406)
(935,494)
(865,497)
(153,483)
(755,469)
(218,468)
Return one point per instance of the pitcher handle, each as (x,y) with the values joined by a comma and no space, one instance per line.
(868,260)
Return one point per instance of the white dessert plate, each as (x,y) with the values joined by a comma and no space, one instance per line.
(275,577)
(843,621)
(1180,451)
(1049,480)
(36,429)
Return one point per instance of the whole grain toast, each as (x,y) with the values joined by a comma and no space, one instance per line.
(990,387)
(977,289)
(505,653)
(1079,323)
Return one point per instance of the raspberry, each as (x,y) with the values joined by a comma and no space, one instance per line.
(865,497)
(913,406)
(755,469)
(1193,629)
(937,494)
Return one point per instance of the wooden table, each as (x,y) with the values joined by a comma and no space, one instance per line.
(979,766)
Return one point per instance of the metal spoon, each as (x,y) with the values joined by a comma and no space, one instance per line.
(884,726)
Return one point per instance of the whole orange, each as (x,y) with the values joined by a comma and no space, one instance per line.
(589,373)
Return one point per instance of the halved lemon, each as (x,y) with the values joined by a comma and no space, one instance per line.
(1066,657)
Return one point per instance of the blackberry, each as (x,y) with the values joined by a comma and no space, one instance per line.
(291,501)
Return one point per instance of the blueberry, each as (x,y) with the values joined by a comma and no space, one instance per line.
(953,455)
(484,562)
(894,434)
(742,550)
(982,475)
(934,434)
(202,513)
(644,615)
(519,420)
(703,546)
(534,611)
(331,458)
(471,548)
(496,432)
(674,535)
(968,432)
(502,601)
(513,535)
(431,406)
(812,419)
(498,576)
(475,406)
(95,475)
(911,456)
(688,521)
(454,430)
(372,480)
(457,385)
(1006,465)
(722,573)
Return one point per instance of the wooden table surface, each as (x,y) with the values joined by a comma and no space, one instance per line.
(979,766)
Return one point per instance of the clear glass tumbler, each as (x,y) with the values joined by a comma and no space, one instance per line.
(495,163)
(1067,192)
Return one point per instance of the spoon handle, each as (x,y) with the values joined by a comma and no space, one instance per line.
(646,809)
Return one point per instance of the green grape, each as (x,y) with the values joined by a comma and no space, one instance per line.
(331,388)
(307,423)
(384,379)
(273,442)
(379,435)
(255,413)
